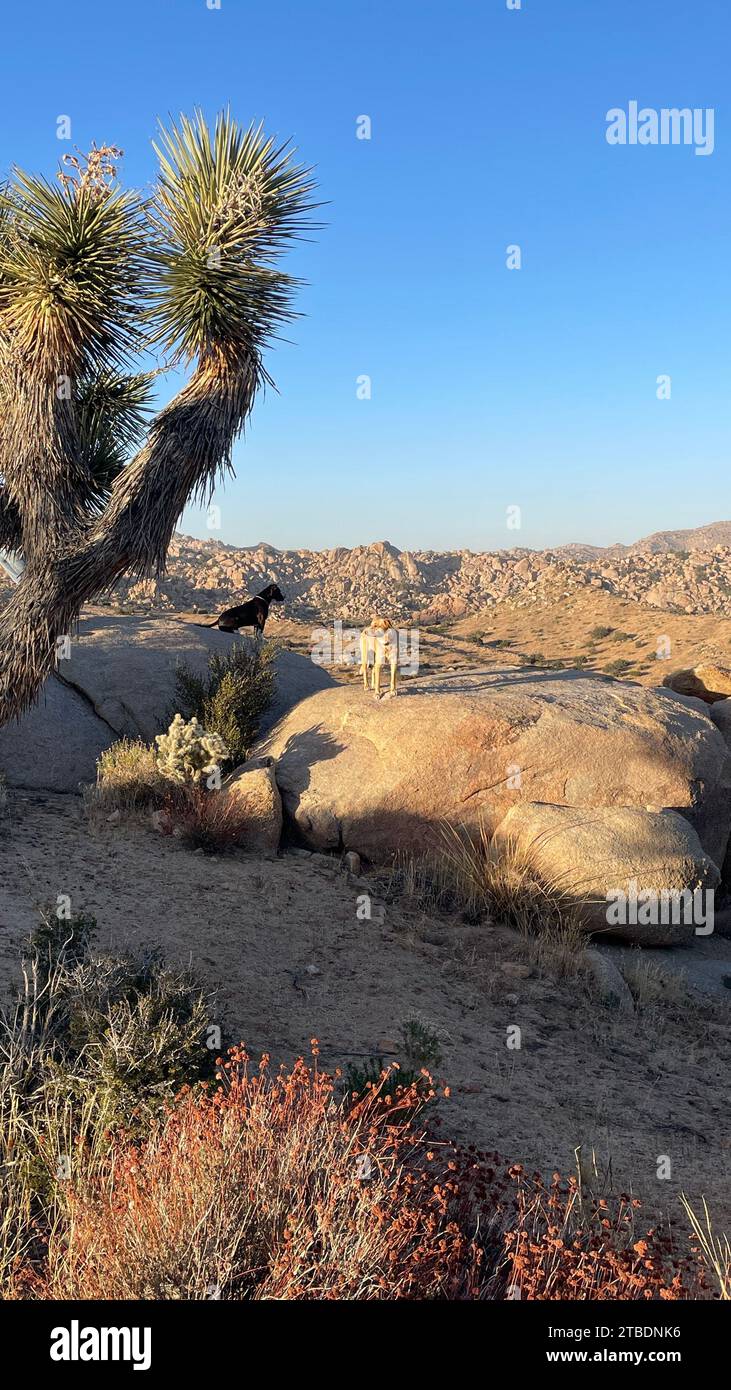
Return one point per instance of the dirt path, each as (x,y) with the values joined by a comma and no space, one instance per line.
(253,927)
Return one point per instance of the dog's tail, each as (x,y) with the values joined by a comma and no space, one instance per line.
(213,624)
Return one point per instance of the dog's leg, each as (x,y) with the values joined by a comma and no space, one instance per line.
(364,659)
(377,663)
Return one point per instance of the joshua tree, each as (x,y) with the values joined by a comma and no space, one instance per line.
(91,278)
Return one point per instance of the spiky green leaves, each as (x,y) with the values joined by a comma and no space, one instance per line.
(72,267)
(112,416)
(225,207)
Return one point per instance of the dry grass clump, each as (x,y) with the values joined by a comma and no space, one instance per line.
(482,883)
(128,780)
(502,884)
(713,1250)
(653,988)
(213,821)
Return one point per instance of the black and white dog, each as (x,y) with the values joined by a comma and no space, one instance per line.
(253,613)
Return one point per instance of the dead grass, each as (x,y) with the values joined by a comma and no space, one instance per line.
(714,1250)
(487,885)
(128,781)
(212,821)
(653,988)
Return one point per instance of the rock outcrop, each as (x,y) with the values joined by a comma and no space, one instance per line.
(464,747)
(707,682)
(55,745)
(613,863)
(679,572)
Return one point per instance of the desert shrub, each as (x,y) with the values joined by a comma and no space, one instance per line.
(599,633)
(92,1045)
(618,668)
(420,1043)
(213,821)
(559,1245)
(233,695)
(270,1189)
(127,779)
(420,1051)
(386,1080)
(188,752)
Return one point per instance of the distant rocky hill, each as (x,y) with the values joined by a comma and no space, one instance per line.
(679,571)
(660,542)
(438,586)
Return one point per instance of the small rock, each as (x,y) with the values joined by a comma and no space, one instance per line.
(323,861)
(352,863)
(511,998)
(611,985)
(313,970)
(114,818)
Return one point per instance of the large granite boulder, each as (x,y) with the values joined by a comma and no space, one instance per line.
(55,745)
(120,681)
(614,863)
(377,776)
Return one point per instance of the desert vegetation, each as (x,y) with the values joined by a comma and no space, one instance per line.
(175,784)
(230,699)
(130,1171)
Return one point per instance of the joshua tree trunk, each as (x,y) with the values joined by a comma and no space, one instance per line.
(188,441)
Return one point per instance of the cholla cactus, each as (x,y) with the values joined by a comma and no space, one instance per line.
(186,753)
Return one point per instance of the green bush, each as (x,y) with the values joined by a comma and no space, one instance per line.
(126,1024)
(232,697)
(420,1051)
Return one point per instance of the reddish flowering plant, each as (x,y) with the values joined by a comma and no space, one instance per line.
(272,1187)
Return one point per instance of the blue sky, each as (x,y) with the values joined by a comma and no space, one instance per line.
(490,388)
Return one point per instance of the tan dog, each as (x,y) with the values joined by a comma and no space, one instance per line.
(378,645)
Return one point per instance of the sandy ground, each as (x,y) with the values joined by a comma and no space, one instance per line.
(654,1087)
